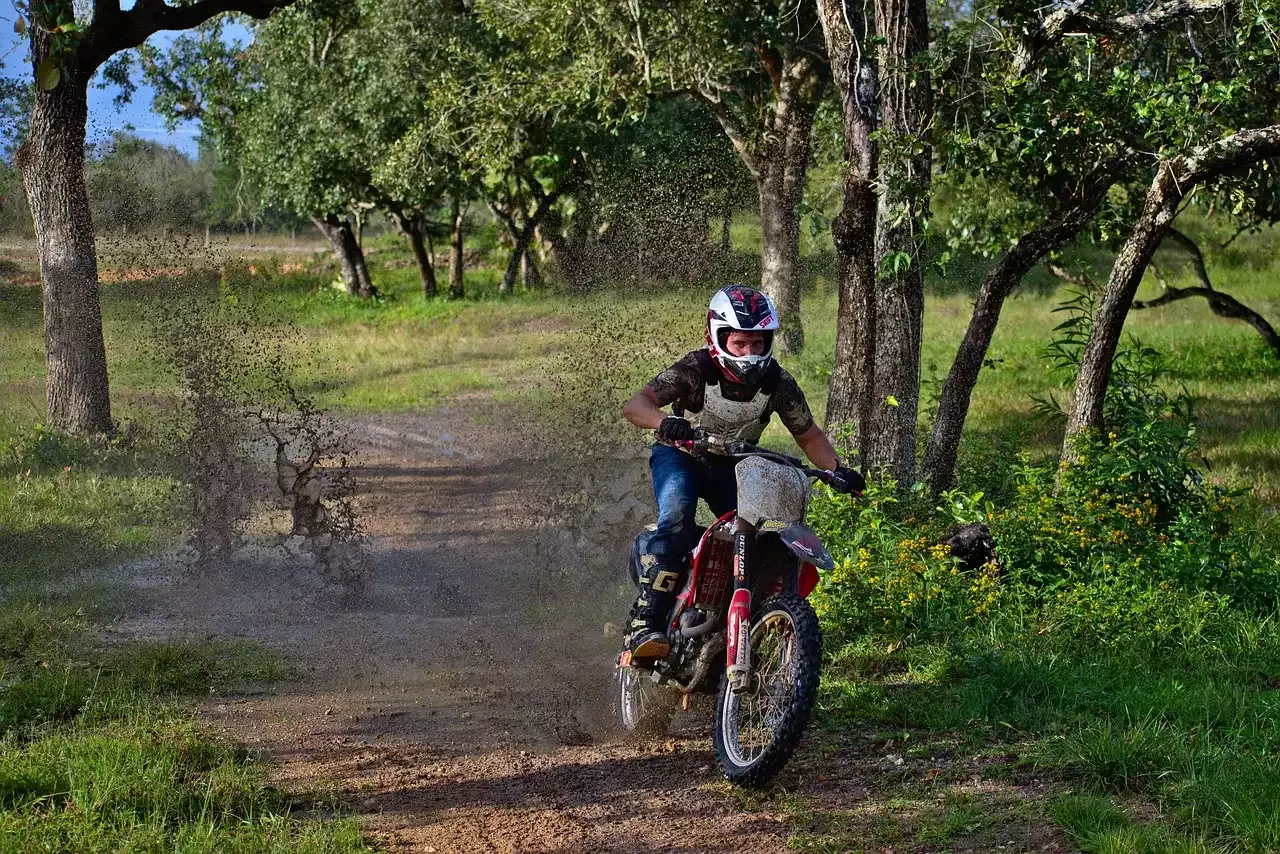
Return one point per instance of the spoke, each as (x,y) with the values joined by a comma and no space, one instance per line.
(751,719)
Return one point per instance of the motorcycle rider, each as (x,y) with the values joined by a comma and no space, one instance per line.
(731,387)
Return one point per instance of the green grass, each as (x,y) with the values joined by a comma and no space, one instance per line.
(404,353)
(98,754)
(1199,741)
(1098,825)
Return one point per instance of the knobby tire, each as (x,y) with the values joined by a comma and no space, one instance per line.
(798,707)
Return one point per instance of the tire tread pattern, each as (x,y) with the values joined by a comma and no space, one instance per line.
(799,709)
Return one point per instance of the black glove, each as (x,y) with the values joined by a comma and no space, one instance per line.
(676,429)
(848,481)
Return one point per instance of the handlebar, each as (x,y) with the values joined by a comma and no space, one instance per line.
(736,449)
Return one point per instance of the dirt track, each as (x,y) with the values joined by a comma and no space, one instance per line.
(462,705)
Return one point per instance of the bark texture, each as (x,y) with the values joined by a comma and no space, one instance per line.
(778,159)
(355,274)
(780,182)
(849,398)
(906,111)
(1174,179)
(51,161)
(530,276)
(953,407)
(410,226)
(456,268)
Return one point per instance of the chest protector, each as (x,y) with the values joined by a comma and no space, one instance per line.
(727,409)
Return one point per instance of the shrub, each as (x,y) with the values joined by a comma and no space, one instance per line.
(891,575)
(1124,546)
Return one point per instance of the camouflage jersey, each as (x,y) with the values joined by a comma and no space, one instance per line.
(695,389)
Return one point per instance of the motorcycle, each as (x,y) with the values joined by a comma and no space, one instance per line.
(744,603)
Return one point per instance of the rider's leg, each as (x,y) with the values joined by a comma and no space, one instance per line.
(675,483)
(718,486)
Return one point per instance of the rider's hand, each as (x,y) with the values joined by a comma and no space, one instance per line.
(848,481)
(676,429)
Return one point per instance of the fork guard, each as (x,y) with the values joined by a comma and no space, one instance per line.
(800,540)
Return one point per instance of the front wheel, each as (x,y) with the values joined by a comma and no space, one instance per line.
(757,730)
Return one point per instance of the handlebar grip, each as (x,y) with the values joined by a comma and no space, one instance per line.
(839,484)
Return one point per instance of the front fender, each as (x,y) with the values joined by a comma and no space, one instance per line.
(800,541)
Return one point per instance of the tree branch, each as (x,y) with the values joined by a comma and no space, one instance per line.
(1222,305)
(772,65)
(1197,257)
(119,30)
(105,10)
(1232,239)
(1067,276)
(1067,21)
(1239,149)
(733,128)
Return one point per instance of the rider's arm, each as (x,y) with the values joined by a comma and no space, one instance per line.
(643,410)
(681,379)
(817,447)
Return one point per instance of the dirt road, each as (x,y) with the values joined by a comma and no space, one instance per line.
(462,705)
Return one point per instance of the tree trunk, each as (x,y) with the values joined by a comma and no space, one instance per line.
(1174,179)
(523,238)
(780,173)
(780,256)
(953,407)
(51,161)
(529,275)
(355,274)
(411,227)
(906,108)
(455,249)
(1131,263)
(566,263)
(853,231)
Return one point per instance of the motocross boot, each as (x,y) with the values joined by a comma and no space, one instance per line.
(647,627)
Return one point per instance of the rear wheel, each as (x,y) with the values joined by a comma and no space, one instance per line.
(757,730)
(640,705)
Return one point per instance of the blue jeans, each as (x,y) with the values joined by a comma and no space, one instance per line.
(679,481)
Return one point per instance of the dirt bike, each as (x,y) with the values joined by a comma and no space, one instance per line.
(744,604)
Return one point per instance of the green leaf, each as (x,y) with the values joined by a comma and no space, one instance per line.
(48,74)
(891,400)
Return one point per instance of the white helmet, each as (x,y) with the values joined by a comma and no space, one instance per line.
(737,308)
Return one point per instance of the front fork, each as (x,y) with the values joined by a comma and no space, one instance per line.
(738,637)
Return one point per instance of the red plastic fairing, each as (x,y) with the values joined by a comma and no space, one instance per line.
(708,583)
(808,579)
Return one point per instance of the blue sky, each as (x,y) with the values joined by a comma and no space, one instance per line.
(104,117)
